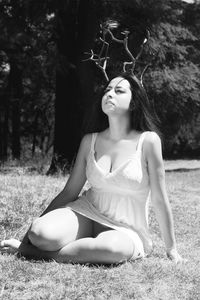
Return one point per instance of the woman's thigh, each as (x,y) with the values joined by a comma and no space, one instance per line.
(117,243)
(59,227)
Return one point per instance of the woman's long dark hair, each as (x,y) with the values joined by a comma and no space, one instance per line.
(143,116)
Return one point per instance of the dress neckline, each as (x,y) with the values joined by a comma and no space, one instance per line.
(111,173)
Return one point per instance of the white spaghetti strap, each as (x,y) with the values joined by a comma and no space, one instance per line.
(94,136)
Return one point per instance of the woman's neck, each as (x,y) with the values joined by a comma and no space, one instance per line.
(119,127)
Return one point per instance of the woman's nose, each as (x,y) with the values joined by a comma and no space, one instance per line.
(110,93)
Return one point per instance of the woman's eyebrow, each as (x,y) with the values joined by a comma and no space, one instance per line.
(120,87)
(115,87)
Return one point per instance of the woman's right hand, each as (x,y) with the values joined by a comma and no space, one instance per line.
(11,245)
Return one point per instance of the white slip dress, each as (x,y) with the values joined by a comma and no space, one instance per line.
(119,199)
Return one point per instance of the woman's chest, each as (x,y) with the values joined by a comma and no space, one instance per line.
(127,175)
(110,157)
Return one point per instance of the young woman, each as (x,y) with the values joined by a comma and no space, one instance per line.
(124,167)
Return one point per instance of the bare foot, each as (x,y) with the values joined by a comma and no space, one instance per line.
(11,243)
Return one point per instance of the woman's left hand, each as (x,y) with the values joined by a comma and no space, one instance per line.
(175,256)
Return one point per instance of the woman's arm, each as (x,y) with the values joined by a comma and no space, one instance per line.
(74,184)
(70,192)
(76,179)
(160,201)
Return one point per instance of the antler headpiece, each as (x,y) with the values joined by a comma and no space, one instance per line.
(101,58)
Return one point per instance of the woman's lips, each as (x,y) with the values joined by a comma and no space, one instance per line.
(109,102)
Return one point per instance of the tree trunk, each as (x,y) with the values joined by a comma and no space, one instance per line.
(34,134)
(77,26)
(15,128)
(15,88)
(89,14)
(3,126)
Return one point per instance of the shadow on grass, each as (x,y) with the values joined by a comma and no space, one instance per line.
(10,251)
(181,170)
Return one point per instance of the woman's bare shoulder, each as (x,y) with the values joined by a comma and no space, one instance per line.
(87,138)
(151,137)
(152,142)
(86,142)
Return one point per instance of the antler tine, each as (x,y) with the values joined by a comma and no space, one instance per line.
(125,43)
(101,58)
(98,61)
(133,59)
(142,74)
(105,44)
(143,43)
(103,40)
(104,59)
(91,57)
(107,26)
(125,64)
(101,62)
(114,38)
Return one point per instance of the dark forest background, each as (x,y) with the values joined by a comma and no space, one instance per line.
(46,90)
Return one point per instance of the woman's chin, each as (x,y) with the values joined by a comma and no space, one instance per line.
(109,110)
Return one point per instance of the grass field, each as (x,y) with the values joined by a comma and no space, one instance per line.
(24,196)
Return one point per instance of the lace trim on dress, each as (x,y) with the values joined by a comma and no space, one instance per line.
(137,154)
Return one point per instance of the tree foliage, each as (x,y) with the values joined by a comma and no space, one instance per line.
(28,47)
(172,81)
(40,39)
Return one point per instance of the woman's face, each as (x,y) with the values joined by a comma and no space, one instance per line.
(117,97)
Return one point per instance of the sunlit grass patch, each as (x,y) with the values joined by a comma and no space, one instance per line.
(23,197)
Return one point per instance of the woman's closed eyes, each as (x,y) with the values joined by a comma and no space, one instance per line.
(117,90)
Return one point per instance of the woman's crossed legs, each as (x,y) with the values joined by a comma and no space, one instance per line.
(66,236)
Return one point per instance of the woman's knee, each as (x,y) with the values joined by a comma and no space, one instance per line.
(57,229)
(115,248)
(38,234)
